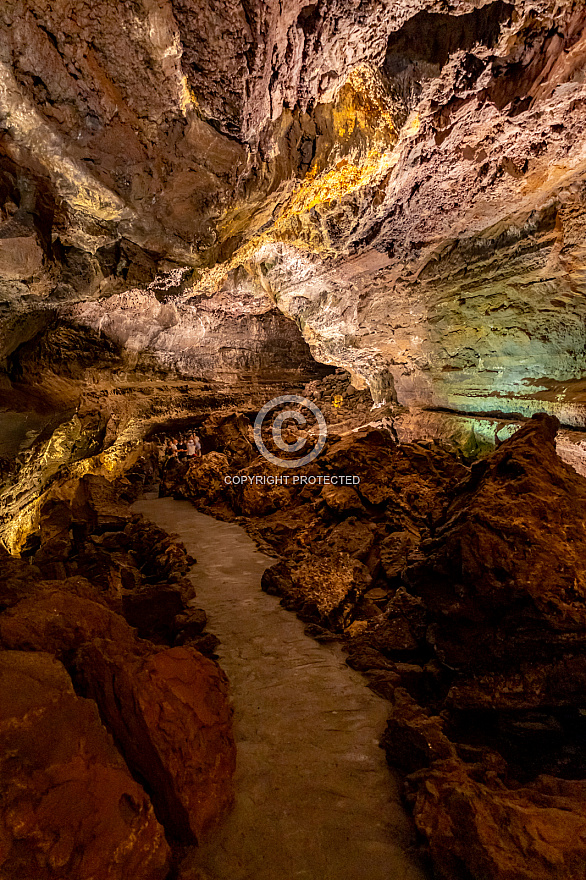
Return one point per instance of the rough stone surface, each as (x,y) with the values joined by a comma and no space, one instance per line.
(170,714)
(505,572)
(483,830)
(69,807)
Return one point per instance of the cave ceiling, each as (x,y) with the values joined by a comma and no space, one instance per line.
(201,190)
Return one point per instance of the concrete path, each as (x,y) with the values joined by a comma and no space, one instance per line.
(315,797)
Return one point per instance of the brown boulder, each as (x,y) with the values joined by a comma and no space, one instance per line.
(353,537)
(505,576)
(394,552)
(479,830)
(152,609)
(204,478)
(18,579)
(69,807)
(341,499)
(535,685)
(412,480)
(171,715)
(168,711)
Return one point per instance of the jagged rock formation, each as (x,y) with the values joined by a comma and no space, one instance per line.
(459,592)
(117,739)
(203,204)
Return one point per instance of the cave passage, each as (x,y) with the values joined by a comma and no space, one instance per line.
(315,799)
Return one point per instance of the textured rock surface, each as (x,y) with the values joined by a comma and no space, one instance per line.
(402,181)
(69,807)
(171,716)
(198,201)
(464,610)
(166,708)
(486,830)
(168,711)
(505,572)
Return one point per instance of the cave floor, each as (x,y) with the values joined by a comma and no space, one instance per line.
(315,799)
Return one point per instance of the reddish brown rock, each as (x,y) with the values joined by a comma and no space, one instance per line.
(480,829)
(230,435)
(341,499)
(412,738)
(505,577)
(69,807)
(394,552)
(18,579)
(205,476)
(413,481)
(60,622)
(171,715)
(168,711)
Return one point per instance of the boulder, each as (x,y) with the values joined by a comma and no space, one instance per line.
(394,551)
(60,622)
(69,808)
(168,711)
(341,499)
(204,477)
(536,685)
(171,716)
(18,579)
(479,829)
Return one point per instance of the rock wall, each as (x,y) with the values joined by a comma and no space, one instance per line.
(116,730)
(403,182)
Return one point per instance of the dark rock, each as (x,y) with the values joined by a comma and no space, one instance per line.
(502,577)
(412,738)
(480,829)
(190,623)
(394,552)
(153,609)
(206,644)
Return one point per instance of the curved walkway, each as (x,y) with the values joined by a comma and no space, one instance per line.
(315,797)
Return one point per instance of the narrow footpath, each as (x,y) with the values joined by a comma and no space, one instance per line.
(315,799)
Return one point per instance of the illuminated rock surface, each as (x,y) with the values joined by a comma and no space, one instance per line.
(403,182)
(69,805)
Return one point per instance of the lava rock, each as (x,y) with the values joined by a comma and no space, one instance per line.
(478,829)
(69,806)
(171,716)
(412,738)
